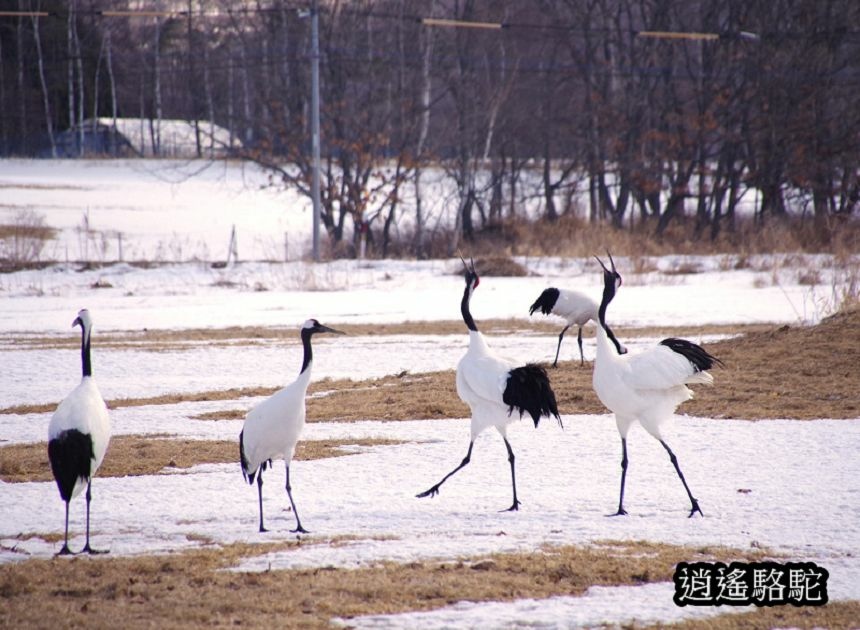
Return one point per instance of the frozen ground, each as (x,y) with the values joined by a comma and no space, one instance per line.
(800,493)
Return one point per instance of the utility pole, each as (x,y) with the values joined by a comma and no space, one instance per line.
(315,126)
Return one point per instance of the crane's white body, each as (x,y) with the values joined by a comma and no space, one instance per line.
(83,410)
(273,427)
(481,380)
(645,386)
(494,387)
(575,307)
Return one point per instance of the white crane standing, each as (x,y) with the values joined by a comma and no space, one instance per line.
(272,427)
(646,386)
(576,308)
(78,435)
(494,387)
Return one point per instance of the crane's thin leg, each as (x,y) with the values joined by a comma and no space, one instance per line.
(695,504)
(65,551)
(558,349)
(87,547)
(516,504)
(621,511)
(579,341)
(299,528)
(433,491)
(260,496)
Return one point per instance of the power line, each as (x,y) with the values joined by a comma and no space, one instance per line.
(430,21)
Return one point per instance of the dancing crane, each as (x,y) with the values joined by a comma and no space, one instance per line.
(494,387)
(647,386)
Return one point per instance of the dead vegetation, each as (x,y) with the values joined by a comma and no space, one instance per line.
(191,589)
(574,237)
(173,340)
(794,372)
(134,455)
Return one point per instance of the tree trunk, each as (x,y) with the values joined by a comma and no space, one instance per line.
(70,68)
(22,102)
(551,214)
(155,127)
(112,95)
(79,64)
(48,121)
(423,131)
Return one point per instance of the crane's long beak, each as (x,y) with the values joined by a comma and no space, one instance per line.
(323,328)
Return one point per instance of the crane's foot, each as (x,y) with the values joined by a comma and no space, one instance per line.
(621,512)
(65,551)
(432,492)
(514,508)
(93,552)
(263,529)
(299,530)
(695,509)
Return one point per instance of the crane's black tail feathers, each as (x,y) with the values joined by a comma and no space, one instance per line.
(528,390)
(249,475)
(695,354)
(71,457)
(545,302)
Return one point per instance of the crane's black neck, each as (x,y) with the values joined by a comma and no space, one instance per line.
(86,363)
(309,353)
(612,338)
(464,308)
(608,294)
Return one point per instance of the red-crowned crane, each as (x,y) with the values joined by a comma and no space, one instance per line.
(647,386)
(78,435)
(272,427)
(576,308)
(494,387)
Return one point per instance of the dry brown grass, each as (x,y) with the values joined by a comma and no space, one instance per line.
(570,236)
(834,615)
(797,372)
(163,340)
(134,455)
(191,590)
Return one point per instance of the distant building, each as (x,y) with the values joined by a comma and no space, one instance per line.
(143,137)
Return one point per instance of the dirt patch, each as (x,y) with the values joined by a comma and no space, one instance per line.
(191,590)
(133,455)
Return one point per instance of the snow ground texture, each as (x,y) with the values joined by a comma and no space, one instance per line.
(790,487)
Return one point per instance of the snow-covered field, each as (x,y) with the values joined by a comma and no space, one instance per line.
(800,493)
